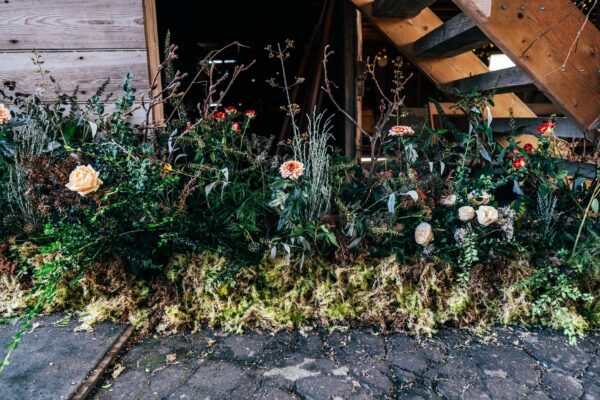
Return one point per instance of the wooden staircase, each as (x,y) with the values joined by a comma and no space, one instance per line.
(548,41)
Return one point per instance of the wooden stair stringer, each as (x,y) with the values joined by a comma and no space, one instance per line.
(539,38)
(442,71)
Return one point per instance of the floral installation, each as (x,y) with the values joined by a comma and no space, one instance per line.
(201,215)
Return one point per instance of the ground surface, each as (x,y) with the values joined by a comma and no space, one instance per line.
(509,364)
(52,360)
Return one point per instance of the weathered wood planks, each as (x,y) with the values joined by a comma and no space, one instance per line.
(83,43)
(549,41)
(71,24)
(86,69)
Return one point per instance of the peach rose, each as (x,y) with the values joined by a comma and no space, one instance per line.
(5,116)
(291,170)
(84,180)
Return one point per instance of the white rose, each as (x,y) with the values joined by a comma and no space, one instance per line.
(84,180)
(479,199)
(487,215)
(448,201)
(424,234)
(466,213)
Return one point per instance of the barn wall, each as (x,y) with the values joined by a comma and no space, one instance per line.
(83,42)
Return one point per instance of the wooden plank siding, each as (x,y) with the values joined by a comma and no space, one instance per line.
(82,42)
(71,24)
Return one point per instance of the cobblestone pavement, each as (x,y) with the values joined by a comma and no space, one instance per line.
(507,364)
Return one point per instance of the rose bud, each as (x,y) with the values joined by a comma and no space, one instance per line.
(519,162)
(529,148)
(219,115)
(230,110)
(236,127)
(250,114)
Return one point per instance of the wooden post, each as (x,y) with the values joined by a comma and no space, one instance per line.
(153,50)
(350,94)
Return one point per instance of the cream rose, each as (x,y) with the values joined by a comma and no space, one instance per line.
(5,116)
(448,201)
(466,213)
(424,234)
(479,199)
(84,180)
(487,215)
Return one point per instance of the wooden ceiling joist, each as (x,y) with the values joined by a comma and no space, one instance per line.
(553,43)
(400,8)
(404,32)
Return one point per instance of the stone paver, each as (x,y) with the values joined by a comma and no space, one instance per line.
(507,364)
(52,361)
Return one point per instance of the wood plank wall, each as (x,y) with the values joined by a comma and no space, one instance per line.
(83,43)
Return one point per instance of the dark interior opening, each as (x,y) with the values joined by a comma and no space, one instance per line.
(200,27)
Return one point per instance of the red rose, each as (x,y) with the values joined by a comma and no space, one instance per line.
(250,114)
(545,127)
(230,110)
(519,162)
(528,148)
(236,127)
(219,115)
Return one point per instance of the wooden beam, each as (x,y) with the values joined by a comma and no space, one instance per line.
(400,8)
(153,49)
(457,35)
(350,93)
(403,33)
(502,81)
(551,42)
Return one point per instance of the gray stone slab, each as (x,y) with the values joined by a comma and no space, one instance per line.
(359,365)
(52,361)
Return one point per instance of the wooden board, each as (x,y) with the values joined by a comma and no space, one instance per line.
(400,8)
(86,69)
(71,24)
(458,35)
(153,49)
(502,81)
(539,37)
(403,33)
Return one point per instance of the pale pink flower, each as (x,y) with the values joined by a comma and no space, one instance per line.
(5,116)
(291,170)
(401,130)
